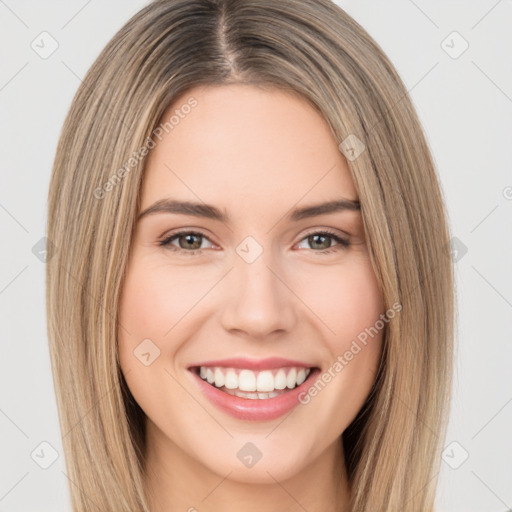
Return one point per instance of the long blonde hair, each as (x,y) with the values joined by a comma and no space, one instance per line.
(309,47)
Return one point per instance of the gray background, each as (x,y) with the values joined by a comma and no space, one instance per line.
(465,104)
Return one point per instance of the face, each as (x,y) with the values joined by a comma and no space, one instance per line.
(227,308)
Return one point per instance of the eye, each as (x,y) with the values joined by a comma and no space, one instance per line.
(323,240)
(189,242)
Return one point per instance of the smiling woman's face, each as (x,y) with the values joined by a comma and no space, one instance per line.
(251,287)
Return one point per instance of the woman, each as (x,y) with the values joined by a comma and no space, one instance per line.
(250,306)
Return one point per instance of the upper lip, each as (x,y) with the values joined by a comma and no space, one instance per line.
(269,363)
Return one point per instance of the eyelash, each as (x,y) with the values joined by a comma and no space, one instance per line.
(342,242)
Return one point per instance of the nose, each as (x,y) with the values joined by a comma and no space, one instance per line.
(259,302)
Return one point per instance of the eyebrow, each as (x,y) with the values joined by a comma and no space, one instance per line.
(211,212)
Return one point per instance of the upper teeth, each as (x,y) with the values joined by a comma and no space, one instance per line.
(247,380)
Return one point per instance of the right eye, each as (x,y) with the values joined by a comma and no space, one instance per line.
(189,242)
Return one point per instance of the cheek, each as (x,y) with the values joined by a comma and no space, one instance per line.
(155,309)
(152,303)
(348,302)
(346,299)
(154,300)
(147,310)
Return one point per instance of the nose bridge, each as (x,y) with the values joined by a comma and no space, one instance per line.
(259,303)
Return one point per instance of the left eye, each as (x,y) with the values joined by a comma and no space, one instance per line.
(191,242)
(318,240)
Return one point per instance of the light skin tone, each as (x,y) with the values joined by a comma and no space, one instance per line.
(256,155)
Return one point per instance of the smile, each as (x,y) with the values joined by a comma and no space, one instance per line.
(251,384)
(251,390)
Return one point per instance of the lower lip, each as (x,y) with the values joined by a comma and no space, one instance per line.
(255,409)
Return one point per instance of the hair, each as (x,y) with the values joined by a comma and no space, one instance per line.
(312,48)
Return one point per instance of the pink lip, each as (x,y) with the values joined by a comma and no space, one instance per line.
(254,410)
(253,364)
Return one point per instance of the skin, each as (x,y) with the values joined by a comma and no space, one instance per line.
(255,154)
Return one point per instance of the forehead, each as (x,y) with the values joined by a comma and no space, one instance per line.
(244,146)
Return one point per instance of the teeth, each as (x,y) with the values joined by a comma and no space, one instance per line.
(291,379)
(249,384)
(280,379)
(246,381)
(301,377)
(219,378)
(265,381)
(231,381)
(252,396)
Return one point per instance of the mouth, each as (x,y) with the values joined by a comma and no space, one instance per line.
(254,391)
(253,385)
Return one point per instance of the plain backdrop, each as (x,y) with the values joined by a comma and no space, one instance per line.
(455,59)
